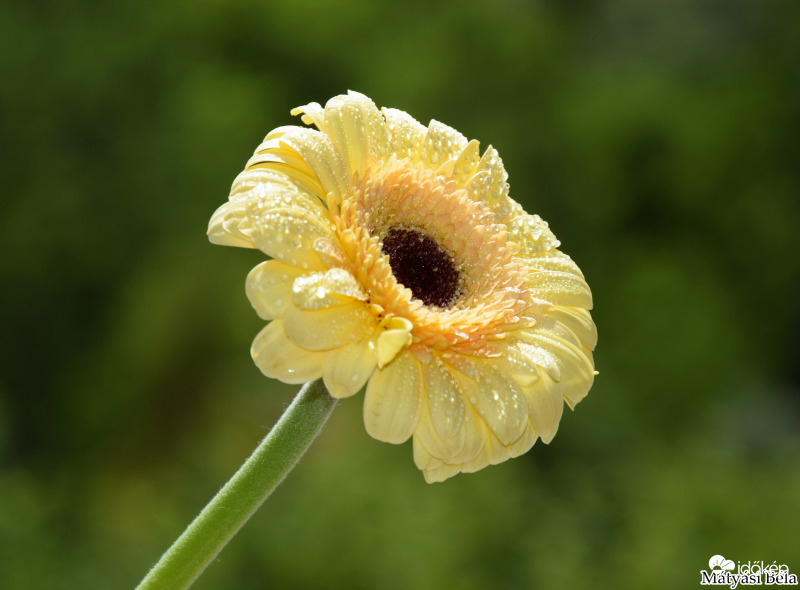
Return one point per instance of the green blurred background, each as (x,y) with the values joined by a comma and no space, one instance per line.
(659,139)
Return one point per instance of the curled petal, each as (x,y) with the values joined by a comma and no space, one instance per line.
(254,192)
(288,234)
(326,289)
(225,228)
(275,157)
(395,338)
(269,288)
(311,114)
(329,327)
(279,358)
(306,156)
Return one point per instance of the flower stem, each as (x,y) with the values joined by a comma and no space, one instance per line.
(235,503)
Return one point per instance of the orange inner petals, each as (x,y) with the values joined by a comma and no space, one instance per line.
(491,292)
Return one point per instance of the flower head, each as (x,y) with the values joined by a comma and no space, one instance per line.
(399,261)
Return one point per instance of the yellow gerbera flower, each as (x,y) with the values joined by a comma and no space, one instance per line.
(400,262)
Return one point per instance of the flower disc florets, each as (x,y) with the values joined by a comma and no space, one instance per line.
(400,262)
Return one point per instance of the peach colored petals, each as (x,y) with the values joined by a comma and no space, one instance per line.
(401,265)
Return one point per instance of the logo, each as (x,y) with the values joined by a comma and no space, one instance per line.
(724,572)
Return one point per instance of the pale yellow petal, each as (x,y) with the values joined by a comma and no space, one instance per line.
(238,222)
(498,451)
(422,458)
(346,369)
(460,447)
(498,400)
(539,356)
(393,400)
(288,234)
(545,405)
(332,287)
(492,453)
(223,228)
(551,260)
(279,358)
(576,366)
(303,152)
(466,164)
(478,186)
(433,469)
(445,400)
(477,463)
(311,113)
(357,130)
(473,431)
(576,386)
(276,156)
(560,288)
(328,328)
(395,338)
(444,449)
(489,185)
(293,168)
(289,191)
(443,428)
(519,365)
(579,321)
(405,134)
(523,443)
(463,445)
(269,288)
(330,253)
(530,232)
(441,143)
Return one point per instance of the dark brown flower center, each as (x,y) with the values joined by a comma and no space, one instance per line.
(422,265)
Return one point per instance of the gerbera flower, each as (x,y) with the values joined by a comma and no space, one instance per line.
(399,261)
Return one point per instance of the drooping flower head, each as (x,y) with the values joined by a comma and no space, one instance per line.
(399,261)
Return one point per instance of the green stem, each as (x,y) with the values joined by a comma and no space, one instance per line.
(235,503)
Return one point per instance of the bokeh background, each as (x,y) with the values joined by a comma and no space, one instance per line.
(659,139)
